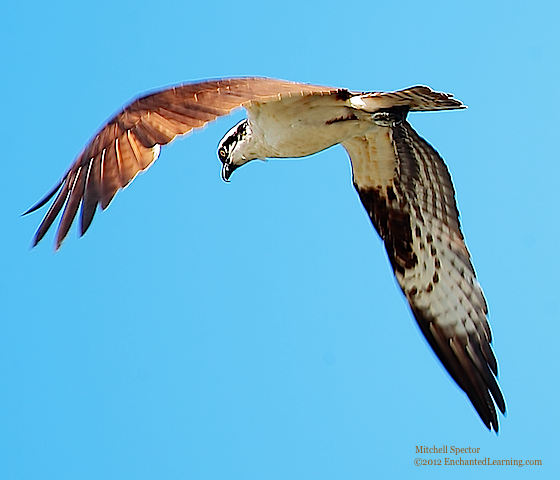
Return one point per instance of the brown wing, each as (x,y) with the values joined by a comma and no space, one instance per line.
(129,142)
(406,189)
(417,99)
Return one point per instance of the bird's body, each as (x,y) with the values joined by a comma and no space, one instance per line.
(402,182)
(291,129)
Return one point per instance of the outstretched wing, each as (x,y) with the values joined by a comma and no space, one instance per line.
(406,189)
(129,142)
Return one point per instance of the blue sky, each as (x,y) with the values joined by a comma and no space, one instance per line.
(254,330)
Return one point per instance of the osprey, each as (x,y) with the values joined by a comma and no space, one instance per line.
(401,180)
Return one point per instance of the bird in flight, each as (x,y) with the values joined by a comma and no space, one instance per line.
(403,183)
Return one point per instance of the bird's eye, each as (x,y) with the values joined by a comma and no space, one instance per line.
(222,153)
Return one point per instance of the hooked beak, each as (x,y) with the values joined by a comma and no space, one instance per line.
(227,170)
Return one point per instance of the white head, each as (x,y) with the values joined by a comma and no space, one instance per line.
(235,149)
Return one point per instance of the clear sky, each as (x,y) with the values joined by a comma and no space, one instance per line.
(253,330)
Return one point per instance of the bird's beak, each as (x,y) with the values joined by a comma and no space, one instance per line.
(227,170)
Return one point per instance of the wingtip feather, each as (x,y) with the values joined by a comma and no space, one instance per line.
(44,200)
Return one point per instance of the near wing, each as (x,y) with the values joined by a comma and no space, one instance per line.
(406,189)
(129,142)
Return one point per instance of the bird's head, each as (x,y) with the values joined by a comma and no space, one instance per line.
(235,148)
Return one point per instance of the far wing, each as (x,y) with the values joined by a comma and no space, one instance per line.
(129,143)
(416,99)
(406,189)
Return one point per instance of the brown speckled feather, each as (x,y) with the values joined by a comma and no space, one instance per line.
(406,189)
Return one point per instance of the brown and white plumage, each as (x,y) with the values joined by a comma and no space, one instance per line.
(415,214)
(402,182)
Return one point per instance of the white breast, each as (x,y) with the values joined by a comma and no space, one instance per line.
(296,127)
